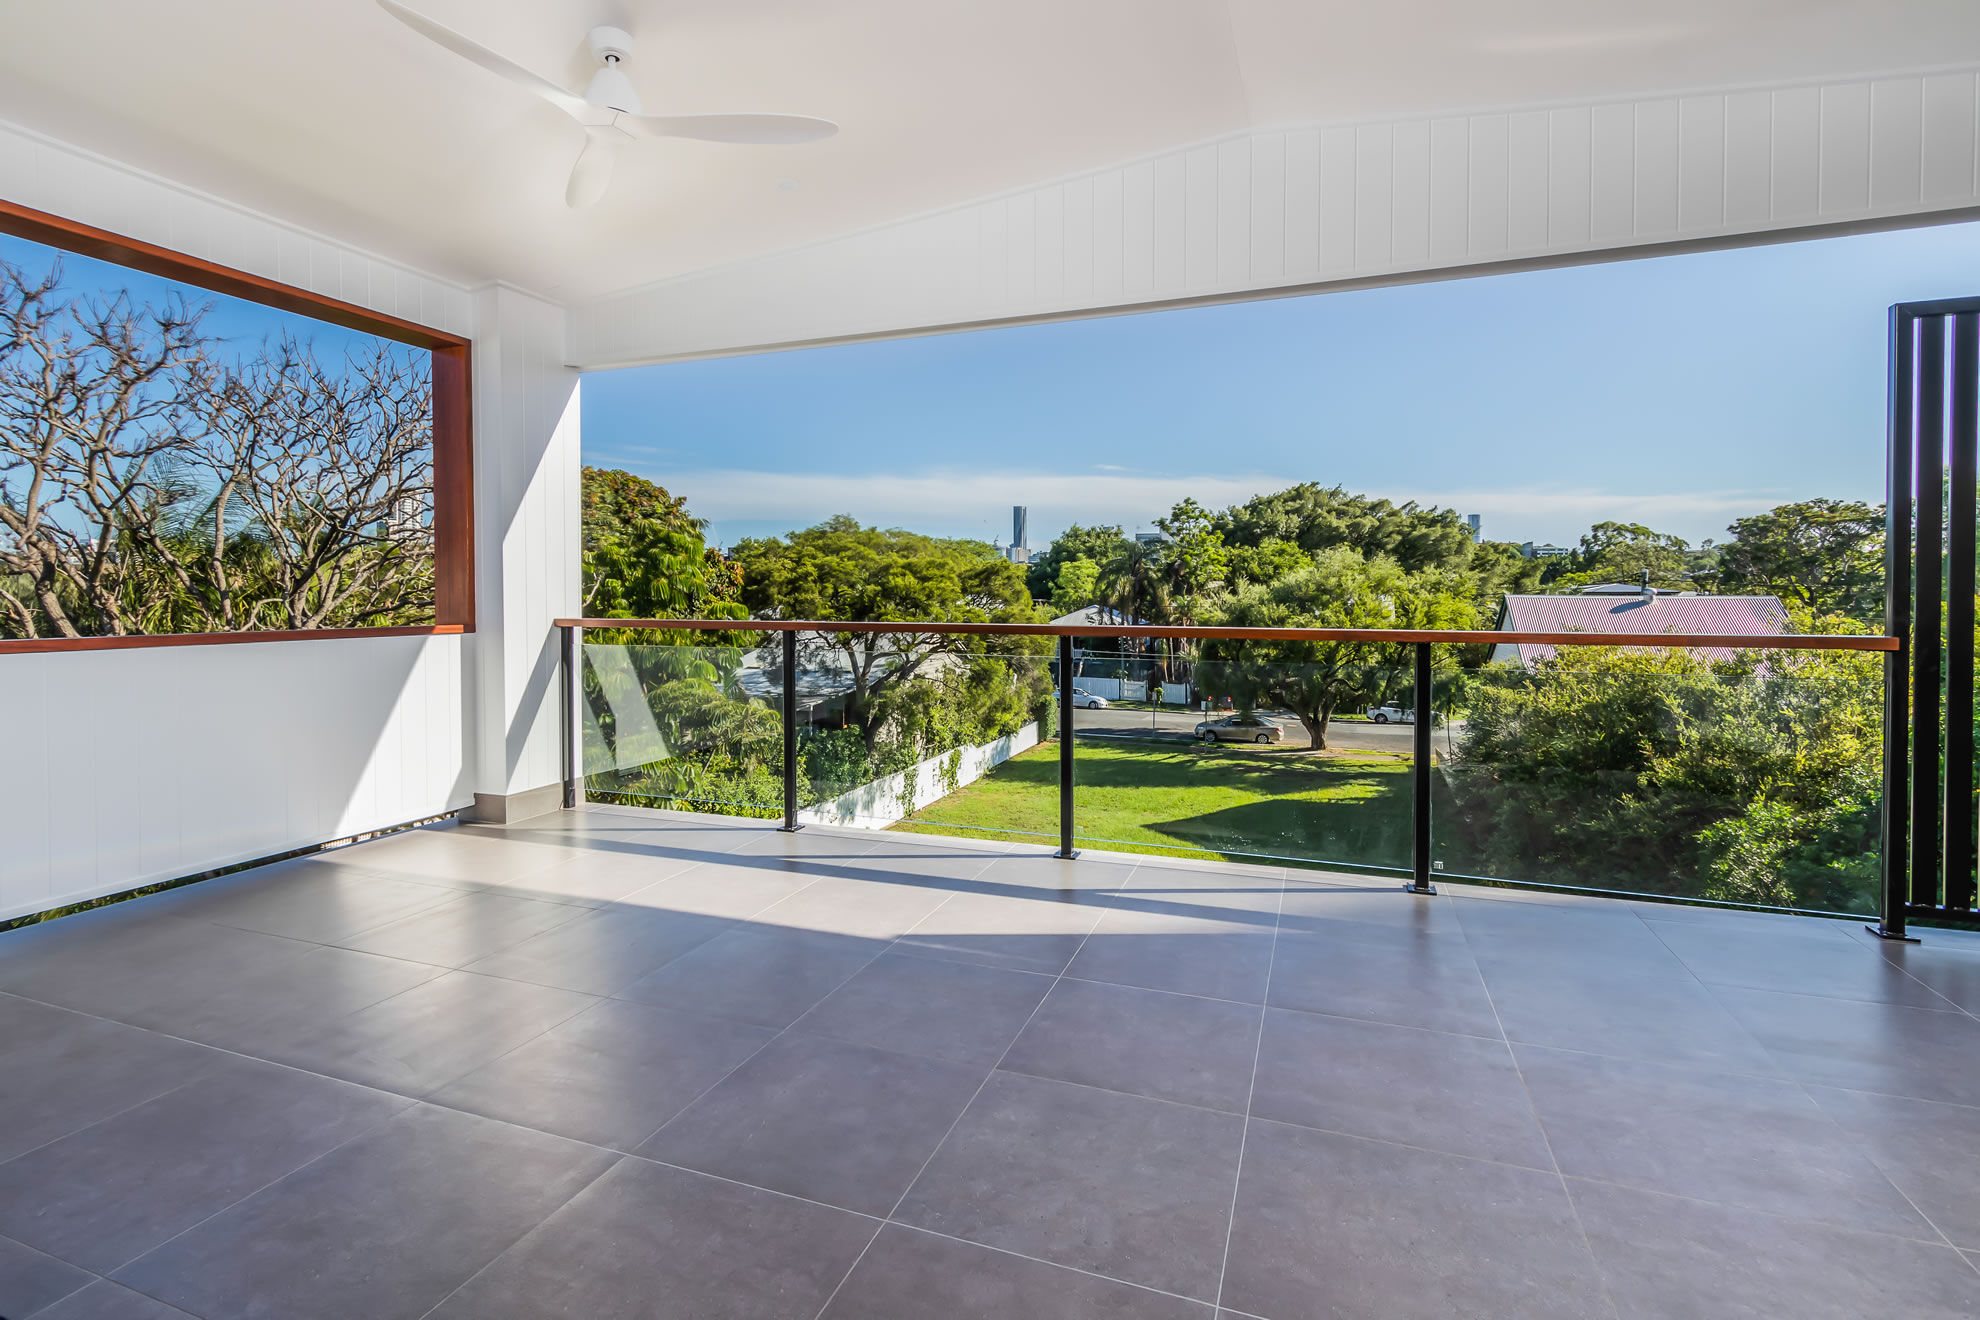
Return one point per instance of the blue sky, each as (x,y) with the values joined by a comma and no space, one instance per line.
(240,325)
(1680,391)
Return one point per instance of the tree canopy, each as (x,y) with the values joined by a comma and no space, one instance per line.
(842,571)
(1314,680)
(1823,555)
(1096,545)
(1315,517)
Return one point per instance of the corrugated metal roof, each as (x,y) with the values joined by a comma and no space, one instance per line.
(1758,616)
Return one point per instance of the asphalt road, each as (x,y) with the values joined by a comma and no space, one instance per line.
(1342,735)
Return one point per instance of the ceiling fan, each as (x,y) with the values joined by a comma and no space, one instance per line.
(609,109)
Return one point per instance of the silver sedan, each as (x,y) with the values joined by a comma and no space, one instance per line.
(1240,728)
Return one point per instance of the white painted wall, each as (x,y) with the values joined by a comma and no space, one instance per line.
(527,473)
(1312,206)
(123,768)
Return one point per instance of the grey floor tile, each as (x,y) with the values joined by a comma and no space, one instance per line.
(602,877)
(610,1076)
(1820,962)
(104,1300)
(1750,1141)
(1409,981)
(1191,956)
(469,928)
(263,1010)
(1930,1150)
(1669,1258)
(113,1191)
(1863,1046)
(1459,1094)
(1601,1007)
(78,1070)
(135,962)
(307,899)
(945,1010)
(719,889)
(1028,932)
(1032,867)
(766,976)
(864,909)
(646,1240)
(433,1033)
(1335,1227)
(1946,961)
(31,1280)
(463,856)
(1132,1188)
(384,1227)
(1223,892)
(848,1125)
(1145,1042)
(910,1275)
(600,953)
(1590,930)
(1341,909)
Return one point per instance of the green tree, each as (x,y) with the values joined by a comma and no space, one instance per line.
(1270,560)
(839,570)
(1826,556)
(1624,552)
(1077,586)
(649,570)
(1315,517)
(611,500)
(1097,545)
(1196,560)
(1315,679)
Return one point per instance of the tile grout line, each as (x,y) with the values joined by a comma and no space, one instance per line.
(1250,1095)
(1601,1274)
(936,1149)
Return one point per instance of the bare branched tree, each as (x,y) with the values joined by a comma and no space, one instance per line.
(95,397)
(150,482)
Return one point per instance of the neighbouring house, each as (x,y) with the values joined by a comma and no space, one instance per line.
(1633,610)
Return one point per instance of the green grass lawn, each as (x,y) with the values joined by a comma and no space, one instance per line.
(1183,799)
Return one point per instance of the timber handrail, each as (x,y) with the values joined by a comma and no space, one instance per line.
(1456,637)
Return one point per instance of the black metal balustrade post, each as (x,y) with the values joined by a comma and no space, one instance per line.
(1420,777)
(1956,821)
(790,825)
(573,731)
(1066,849)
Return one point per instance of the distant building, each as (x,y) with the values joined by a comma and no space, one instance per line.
(1541,550)
(1638,610)
(1149,538)
(1475,523)
(1019,551)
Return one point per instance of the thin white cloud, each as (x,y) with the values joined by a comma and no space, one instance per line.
(978,503)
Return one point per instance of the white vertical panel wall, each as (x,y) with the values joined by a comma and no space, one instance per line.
(123,768)
(1305,206)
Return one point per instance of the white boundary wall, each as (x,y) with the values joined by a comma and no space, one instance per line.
(879,804)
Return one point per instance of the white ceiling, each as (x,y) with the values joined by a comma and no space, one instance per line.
(331,114)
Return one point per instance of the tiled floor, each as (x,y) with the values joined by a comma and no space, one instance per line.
(619,1063)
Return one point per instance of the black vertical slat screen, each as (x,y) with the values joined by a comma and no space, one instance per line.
(1933,469)
(1958,819)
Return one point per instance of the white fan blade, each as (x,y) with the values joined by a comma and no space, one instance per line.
(760,129)
(593,170)
(575,106)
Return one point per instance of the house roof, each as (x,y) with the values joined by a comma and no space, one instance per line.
(1758,616)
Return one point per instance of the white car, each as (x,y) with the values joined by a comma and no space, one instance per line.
(1391,715)
(1082,699)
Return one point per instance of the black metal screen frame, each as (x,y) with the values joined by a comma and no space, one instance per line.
(1933,445)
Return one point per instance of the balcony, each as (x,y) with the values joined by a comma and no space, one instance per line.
(629,1062)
